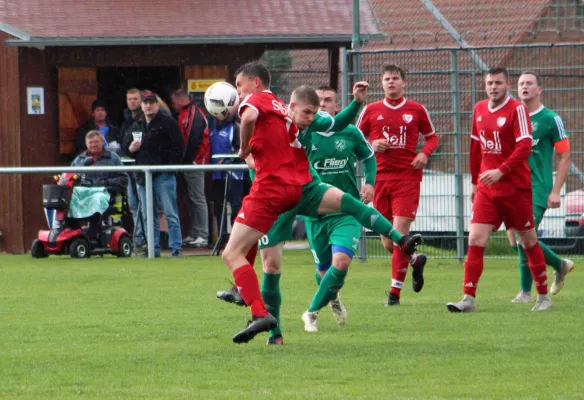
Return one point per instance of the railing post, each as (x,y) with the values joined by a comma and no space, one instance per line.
(458,170)
(344,77)
(149,213)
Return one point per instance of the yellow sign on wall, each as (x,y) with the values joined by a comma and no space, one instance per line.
(201,85)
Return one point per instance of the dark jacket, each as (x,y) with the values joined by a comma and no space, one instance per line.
(126,132)
(195,131)
(113,181)
(162,142)
(113,135)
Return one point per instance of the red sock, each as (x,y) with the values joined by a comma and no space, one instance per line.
(473,269)
(399,269)
(251,255)
(246,282)
(536,261)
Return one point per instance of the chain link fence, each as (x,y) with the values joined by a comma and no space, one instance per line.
(449,82)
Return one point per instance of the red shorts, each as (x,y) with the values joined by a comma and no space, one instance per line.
(397,198)
(513,207)
(264,203)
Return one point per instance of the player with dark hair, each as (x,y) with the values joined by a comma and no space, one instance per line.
(501,143)
(548,134)
(393,126)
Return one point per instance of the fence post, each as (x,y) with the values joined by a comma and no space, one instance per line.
(458,171)
(344,77)
(149,213)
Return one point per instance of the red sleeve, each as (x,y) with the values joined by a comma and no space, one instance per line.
(476,155)
(430,144)
(522,132)
(363,122)
(250,101)
(426,125)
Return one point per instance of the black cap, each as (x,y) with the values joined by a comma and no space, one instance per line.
(98,104)
(149,96)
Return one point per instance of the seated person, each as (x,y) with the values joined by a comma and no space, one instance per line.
(90,198)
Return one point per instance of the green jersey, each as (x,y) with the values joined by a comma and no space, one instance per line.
(333,156)
(548,128)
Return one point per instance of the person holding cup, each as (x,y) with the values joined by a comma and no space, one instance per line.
(160,142)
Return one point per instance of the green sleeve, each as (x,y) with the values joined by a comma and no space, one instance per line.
(252,174)
(363,149)
(370,170)
(558,129)
(324,122)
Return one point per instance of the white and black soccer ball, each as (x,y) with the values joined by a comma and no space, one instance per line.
(221,100)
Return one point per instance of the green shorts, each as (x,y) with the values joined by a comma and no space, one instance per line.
(326,233)
(281,231)
(538,213)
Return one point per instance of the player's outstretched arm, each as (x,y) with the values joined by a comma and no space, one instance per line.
(561,177)
(324,122)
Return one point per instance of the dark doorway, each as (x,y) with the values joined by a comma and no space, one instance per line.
(113,82)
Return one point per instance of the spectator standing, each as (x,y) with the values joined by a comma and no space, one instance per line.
(132,114)
(161,143)
(195,131)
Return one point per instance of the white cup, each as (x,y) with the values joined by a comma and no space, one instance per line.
(137,136)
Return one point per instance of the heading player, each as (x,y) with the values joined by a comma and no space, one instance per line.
(501,186)
(268,133)
(393,126)
(548,134)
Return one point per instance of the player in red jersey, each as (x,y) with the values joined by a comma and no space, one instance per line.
(393,126)
(269,135)
(501,186)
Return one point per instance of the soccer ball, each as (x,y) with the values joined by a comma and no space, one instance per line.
(221,100)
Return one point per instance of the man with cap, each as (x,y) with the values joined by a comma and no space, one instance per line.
(98,122)
(159,142)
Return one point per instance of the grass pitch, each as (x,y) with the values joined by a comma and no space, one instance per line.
(109,328)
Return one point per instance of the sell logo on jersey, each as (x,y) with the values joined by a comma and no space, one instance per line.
(501,121)
(480,118)
(395,141)
(330,163)
(340,144)
(490,146)
(407,118)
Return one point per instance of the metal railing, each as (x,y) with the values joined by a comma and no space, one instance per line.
(147,170)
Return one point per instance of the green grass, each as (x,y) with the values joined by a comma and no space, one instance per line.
(108,328)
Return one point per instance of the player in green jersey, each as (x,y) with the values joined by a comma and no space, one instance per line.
(334,238)
(548,134)
(317,199)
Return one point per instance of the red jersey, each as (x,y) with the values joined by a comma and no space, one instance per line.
(401,125)
(501,139)
(279,158)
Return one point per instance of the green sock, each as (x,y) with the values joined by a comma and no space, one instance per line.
(515,248)
(329,287)
(318,278)
(525,277)
(369,217)
(273,298)
(551,258)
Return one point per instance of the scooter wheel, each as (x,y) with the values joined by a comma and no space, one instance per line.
(37,249)
(79,248)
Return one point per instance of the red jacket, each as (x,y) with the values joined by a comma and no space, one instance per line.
(195,130)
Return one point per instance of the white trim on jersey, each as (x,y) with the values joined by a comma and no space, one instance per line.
(560,125)
(394,107)
(324,114)
(358,124)
(540,109)
(368,146)
(325,134)
(523,127)
(473,137)
(244,104)
(431,124)
(499,106)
